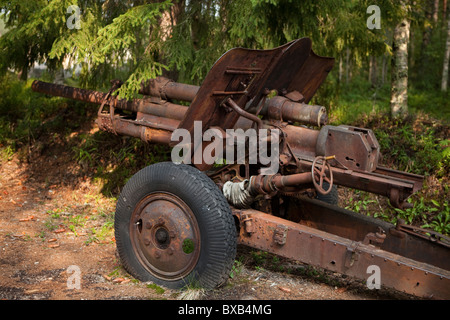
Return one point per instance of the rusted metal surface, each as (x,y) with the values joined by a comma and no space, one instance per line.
(321,172)
(126,127)
(167,89)
(296,112)
(247,76)
(156,122)
(229,103)
(284,109)
(267,184)
(155,107)
(165,236)
(361,152)
(68,92)
(288,108)
(402,229)
(356,227)
(342,254)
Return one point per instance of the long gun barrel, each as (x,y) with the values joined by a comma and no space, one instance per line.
(166,90)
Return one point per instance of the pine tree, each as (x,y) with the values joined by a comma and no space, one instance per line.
(120,42)
(25,41)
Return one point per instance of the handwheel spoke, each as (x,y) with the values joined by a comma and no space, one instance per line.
(319,175)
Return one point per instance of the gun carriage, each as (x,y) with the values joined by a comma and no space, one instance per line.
(176,224)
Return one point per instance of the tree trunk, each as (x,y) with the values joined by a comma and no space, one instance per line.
(23,74)
(435,14)
(373,71)
(426,37)
(427,24)
(384,68)
(347,67)
(168,22)
(444,82)
(399,87)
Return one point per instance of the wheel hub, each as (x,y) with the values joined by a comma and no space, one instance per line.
(162,237)
(165,236)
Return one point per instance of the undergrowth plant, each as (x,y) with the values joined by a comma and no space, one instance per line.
(440,222)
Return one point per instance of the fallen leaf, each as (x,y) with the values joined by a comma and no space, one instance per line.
(59,230)
(52,240)
(118,280)
(287,290)
(29,218)
(53,246)
(17,204)
(107,277)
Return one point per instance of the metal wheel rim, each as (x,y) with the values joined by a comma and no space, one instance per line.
(165,236)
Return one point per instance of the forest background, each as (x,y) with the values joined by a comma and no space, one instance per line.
(390,75)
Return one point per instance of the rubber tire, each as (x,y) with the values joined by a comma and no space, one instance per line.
(215,221)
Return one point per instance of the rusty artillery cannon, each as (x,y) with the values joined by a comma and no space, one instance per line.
(176,224)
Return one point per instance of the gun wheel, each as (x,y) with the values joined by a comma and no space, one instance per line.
(174,227)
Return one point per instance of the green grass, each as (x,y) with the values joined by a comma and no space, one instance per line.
(156,288)
(355,101)
(434,103)
(359,98)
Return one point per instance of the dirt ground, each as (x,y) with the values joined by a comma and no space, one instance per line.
(43,248)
